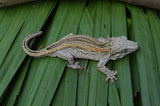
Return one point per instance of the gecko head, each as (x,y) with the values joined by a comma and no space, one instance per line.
(120,47)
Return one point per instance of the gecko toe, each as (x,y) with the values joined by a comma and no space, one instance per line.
(111,76)
(115,72)
(115,78)
(106,79)
(112,81)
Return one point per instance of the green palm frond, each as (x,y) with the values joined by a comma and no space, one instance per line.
(46,81)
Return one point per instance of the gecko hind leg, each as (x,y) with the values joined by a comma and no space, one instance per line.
(67,56)
(110,74)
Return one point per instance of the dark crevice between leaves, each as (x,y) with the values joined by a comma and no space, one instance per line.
(137,98)
(50,18)
(87,3)
(45,28)
(144,10)
(129,19)
(158,13)
(128,13)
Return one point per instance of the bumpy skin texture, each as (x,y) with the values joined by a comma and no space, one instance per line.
(83,46)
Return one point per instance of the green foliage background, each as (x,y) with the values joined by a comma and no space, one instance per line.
(26,81)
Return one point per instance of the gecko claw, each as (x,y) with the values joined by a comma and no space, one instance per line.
(111,76)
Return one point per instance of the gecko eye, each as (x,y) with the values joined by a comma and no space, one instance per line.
(124,51)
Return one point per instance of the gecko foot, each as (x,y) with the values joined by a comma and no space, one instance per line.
(76,65)
(111,75)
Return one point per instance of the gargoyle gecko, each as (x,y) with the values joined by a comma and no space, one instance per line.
(86,47)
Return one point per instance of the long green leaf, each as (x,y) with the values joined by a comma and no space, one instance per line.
(85,27)
(145,61)
(42,86)
(12,29)
(41,81)
(67,96)
(154,23)
(98,91)
(119,28)
(15,56)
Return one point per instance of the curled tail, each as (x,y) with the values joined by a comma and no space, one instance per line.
(34,53)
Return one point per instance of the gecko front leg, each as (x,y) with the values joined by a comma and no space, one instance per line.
(67,56)
(110,74)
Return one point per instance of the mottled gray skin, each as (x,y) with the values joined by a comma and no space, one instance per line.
(116,48)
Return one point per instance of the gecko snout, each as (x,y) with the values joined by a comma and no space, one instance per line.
(137,46)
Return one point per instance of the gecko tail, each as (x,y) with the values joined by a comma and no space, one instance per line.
(27,50)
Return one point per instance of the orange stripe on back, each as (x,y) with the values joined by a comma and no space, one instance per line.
(77,45)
